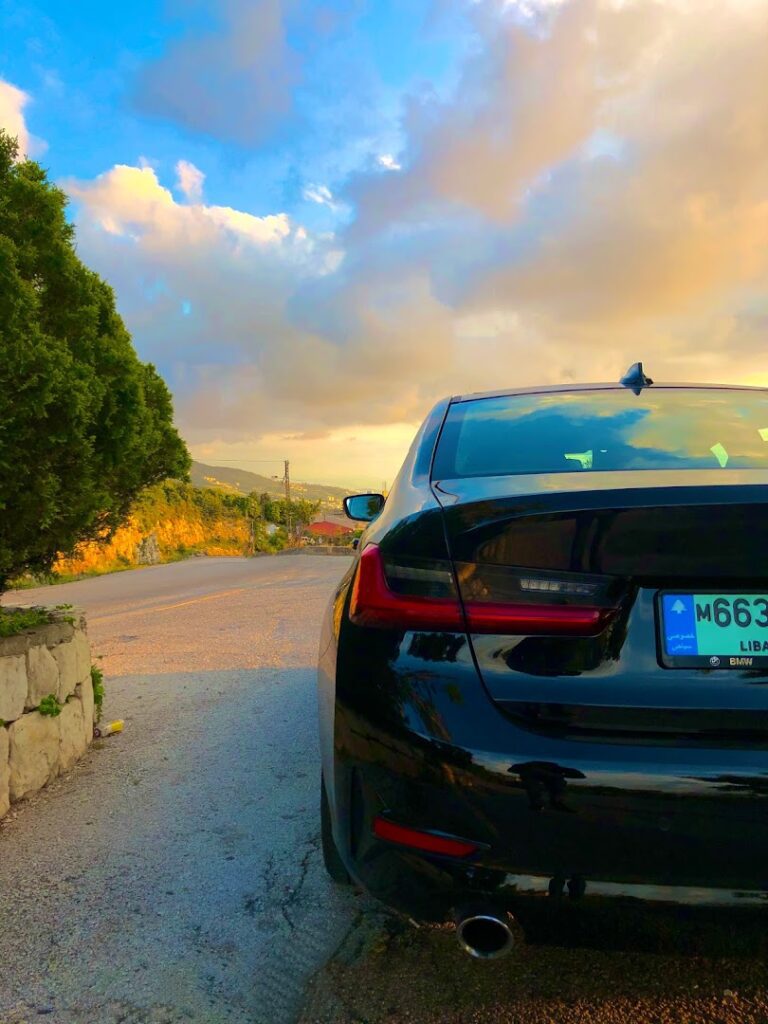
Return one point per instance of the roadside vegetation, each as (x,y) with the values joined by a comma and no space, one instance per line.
(14,621)
(173,520)
(97,679)
(17,620)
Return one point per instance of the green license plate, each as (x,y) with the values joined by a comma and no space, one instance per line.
(714,630)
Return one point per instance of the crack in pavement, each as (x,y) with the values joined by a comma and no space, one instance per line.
(294,894)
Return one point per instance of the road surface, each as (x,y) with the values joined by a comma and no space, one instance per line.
(174,875)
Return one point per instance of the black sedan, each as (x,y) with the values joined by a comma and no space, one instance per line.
(547,669)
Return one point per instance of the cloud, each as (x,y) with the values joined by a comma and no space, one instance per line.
(533,8)
(130,202)
(236,272)
(233,82)
(189,181)
(12,104)
(355,456)
(387,161)
(674,234)
(647,245)
(524,103)
(276,336)
(592,192)
(319,194)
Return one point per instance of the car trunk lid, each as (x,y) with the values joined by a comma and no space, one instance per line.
(607,542)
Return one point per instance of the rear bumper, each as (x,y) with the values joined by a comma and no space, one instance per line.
(409,731)
(675,895)
(678,833)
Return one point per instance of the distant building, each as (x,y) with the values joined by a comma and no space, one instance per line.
(326,530)
(340,517)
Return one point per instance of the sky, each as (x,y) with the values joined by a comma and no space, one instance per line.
(321,216)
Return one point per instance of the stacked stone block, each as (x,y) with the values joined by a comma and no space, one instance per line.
(35,748)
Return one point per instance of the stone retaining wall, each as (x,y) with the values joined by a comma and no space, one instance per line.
(35,748)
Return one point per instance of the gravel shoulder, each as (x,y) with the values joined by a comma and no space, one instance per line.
(669,972)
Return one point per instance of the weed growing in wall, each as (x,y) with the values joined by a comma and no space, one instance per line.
(50,706)
(18,620)
(97,678)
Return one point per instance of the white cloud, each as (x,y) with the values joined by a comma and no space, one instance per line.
(271,228)
(388,161)
(12,104)
(189,181)
(319,194)
(534,8)
(131,202)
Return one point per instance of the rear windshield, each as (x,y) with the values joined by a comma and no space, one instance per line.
(582,431)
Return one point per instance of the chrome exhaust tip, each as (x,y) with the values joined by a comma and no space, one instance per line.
(485,934)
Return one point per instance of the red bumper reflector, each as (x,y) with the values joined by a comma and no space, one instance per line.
(418,840)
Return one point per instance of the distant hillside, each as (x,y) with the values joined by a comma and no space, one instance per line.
(242,481)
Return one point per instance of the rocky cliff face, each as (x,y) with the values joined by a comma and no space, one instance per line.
(165,541)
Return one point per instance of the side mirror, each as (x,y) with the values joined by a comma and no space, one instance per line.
(364,507)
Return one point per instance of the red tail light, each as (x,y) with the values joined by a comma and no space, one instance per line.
(375,603)
(543,618)
(429,842)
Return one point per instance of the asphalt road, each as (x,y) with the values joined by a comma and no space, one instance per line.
(174,875)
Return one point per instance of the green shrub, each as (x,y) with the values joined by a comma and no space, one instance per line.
(97,678)
(50,706)
(18,620)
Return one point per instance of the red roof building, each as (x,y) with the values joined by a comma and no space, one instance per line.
(325,528)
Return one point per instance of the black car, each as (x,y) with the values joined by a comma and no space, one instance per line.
(547,669)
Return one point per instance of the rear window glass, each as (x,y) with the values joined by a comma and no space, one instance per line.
(583,431)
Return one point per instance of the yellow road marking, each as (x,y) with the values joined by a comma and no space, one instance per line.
(167,607)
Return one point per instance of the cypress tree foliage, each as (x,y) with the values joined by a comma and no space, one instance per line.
(84,425)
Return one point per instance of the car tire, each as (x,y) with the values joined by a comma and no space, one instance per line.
(334,865)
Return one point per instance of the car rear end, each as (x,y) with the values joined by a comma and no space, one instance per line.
(553,654)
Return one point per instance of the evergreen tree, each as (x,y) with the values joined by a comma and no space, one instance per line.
(84,425)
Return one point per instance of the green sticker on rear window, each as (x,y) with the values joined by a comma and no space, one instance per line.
(584,459)
(720,454)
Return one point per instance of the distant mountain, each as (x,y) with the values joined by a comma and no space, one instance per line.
(242,481)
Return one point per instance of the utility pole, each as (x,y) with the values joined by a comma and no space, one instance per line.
(287,482)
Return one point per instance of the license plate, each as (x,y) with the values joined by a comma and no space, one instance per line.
(714,630)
